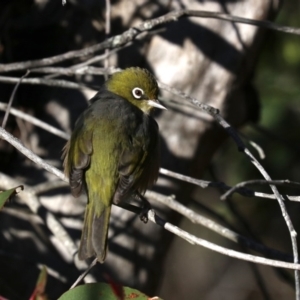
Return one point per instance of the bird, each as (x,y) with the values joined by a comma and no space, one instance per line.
(113,152)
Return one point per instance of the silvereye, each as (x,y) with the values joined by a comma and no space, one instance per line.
(113,152)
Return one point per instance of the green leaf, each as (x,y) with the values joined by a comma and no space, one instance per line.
(5,195)
(39,291)
(102,291)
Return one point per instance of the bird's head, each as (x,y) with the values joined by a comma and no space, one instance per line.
(136,85)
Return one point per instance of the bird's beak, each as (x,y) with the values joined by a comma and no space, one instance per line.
(155,103)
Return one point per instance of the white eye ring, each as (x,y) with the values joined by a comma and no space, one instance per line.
(137,93)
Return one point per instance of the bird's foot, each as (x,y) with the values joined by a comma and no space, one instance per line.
(144,210)
(144,214)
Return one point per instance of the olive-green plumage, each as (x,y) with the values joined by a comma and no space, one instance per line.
(113,152)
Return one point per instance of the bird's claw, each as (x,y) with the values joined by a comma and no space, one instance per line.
(144,217)
(144,211)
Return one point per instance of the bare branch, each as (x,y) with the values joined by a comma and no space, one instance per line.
(11,99)
(74,71)
(236,19)
(35,121)
(241,147)
(42,81)
(224,187)
(28,196)
(28,153)
(221,230)
(204,107)
(278,196)
(190,238)
(84,274)
(240,185)
(107,32)
(153,217)
(97,58)
(130,34)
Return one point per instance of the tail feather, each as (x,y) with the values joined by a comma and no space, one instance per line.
(94,234)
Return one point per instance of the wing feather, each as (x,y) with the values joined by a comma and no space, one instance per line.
(77,156)
(139,163)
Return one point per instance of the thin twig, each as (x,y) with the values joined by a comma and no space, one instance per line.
(278,196)
(74,71)
(28,196)
(56,71)
(28,153)
(11,99)
(82,276)
(236,19)
(67,84)
(153,217)
(35,121)
(83,68)
(98,58)
(219,229)
(293,233)
(240,185)
(190,238)
(223,187)
(204,107)
(130,34)
(259,149)
(241,147)
(107,32)
(202,183)
(42,81)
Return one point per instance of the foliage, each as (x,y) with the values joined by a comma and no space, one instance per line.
(102,291)
(6,195)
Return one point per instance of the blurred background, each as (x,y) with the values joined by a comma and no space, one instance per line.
(250,74)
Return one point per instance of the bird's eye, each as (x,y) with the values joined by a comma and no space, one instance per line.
(137,93)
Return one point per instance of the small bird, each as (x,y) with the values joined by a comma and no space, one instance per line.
(113,152)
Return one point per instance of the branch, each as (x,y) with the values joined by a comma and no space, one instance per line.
(102,71)
(107,32)
(84,274)
(219,229)
(239,188)
(202,183)
(28,196)
(35,121)
(241,147)
(190,238)
(130,34)
(28,153)
(74,71)
(153,217)
(240,185)
(236,19)
(42,81)
(11,99)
